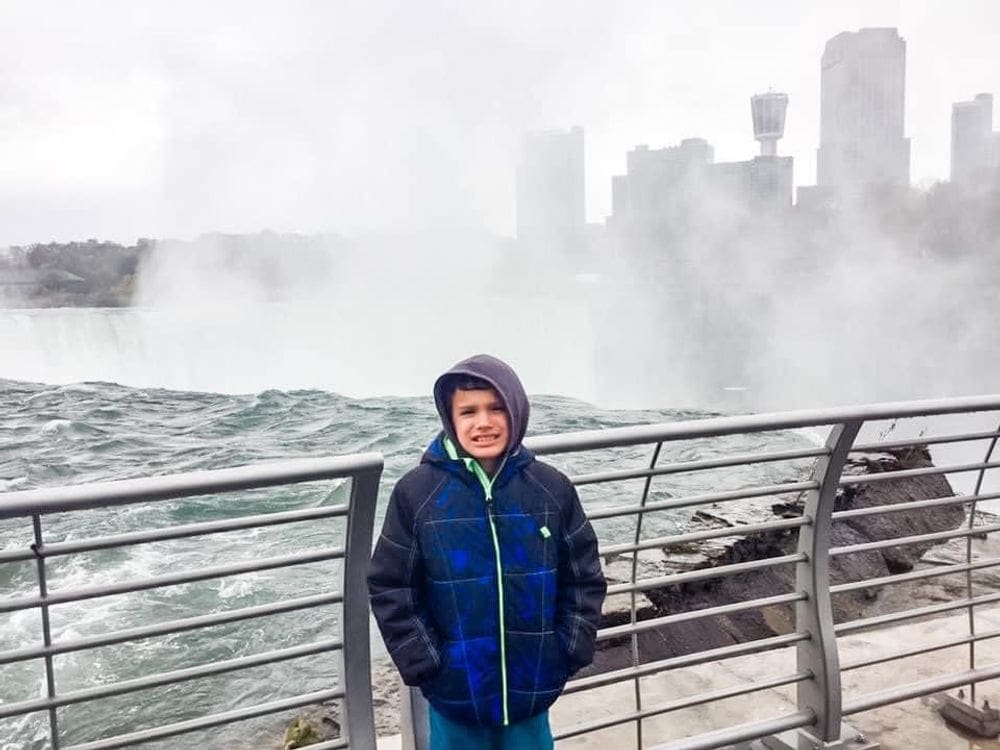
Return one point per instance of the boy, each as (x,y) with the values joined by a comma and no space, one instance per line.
(486,582)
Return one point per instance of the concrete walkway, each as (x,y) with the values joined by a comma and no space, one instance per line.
(913,724)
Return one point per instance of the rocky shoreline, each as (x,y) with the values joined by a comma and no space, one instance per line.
(714,632)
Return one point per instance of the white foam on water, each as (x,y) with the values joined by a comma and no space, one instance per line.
(55,425)
(9,485)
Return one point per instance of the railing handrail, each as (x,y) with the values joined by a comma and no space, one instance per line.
(363,470)
(46,500)
(617,437)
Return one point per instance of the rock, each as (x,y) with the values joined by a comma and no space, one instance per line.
(300,733)
(711,632)
(886,526)
(314,724)
(618,607)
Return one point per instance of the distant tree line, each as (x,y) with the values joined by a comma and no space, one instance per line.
(90,273)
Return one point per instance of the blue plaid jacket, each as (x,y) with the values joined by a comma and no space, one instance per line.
(490,632)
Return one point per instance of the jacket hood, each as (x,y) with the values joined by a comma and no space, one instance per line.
(504,380)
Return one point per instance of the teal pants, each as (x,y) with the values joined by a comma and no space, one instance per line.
(530,734)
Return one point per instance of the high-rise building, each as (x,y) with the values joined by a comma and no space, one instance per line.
(862,109)
(975,147)
(664,188)
(550,187)
(660,184)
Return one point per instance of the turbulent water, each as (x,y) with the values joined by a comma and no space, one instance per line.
(54,435)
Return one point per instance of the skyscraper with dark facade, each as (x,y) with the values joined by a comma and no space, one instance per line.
(862,111)
(550,187)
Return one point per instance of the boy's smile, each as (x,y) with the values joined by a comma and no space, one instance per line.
(481,425)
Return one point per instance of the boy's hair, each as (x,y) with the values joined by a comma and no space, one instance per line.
(464,383)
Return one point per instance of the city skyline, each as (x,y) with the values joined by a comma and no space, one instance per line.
(175,121)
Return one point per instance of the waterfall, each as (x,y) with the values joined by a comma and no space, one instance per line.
(386,345)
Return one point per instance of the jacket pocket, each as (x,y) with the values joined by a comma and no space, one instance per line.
(537,662)
(529,544)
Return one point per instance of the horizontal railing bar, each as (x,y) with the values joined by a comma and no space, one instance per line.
(220,571)
(927,649)
(911,614)
(702,574)
(170,627)
(14,556)
(744,459)
(616,437)
(937,502)
(207,722)
(918,689)
(46,500)
(742,732)
(687,660)
(700,536)
(888,476)
(262,520)
(696,700)
(915,575)
(712,497)
(960,438)
(902,541)
(169,678)
(695,614)
(334,744)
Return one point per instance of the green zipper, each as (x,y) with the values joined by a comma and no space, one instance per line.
(473,465)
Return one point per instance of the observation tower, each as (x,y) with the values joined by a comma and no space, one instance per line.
(768,112)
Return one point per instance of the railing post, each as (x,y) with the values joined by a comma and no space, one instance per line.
(43,592)
(971,614)
(822,693)
(358,711)
(414,719)
(637,686)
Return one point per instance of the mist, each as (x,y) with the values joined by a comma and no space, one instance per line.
(342,179)
(796,309)
(380,315)
(734,313)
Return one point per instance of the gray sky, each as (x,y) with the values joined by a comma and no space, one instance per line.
(127,118)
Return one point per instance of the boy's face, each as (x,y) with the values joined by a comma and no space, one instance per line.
(481,425)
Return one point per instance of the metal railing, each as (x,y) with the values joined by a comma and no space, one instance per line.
(346,592)
(678,453)
(655,493)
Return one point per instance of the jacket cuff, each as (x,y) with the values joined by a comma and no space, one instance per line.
(417,661)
